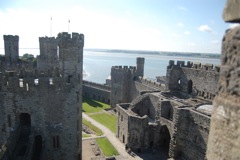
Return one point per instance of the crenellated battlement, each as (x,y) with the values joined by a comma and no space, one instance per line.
(194,65)
(96,85)
(47,39)
(152,83)
(75,39)
(11,38)
(124,68)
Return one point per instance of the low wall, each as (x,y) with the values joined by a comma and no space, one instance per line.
(96,91)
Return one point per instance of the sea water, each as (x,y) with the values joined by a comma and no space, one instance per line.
(97,65)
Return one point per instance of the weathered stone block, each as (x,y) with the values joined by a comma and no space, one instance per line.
(231,11)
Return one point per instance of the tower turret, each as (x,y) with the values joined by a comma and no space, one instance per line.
(140,66)
(11,48)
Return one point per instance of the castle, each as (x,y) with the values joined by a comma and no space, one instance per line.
(40,109)
(174,116)
(194,114)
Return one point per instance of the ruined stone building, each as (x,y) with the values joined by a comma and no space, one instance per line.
(40,108)
(173,118)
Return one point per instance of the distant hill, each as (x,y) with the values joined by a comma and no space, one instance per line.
(163,53)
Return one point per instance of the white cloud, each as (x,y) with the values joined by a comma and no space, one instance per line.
(179,24)
(187,33)
(205,28)
(233,25)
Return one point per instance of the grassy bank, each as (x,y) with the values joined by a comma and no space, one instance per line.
(106,147)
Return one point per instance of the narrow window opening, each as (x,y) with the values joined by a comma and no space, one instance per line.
(69,79)
(9,121)
(27,88)
(20,82)
(50,81)
(179,80)
(121,118)
(36,82)
(56,142)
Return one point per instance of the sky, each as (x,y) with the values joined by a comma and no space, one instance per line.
(156,25)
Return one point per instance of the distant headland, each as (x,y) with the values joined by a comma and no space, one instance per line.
(163,53)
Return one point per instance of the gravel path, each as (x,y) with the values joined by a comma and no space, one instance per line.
(113,139)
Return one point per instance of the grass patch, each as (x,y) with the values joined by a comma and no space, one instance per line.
(107,120)
(92,106)
(86,135)
(92,127)
(106,147)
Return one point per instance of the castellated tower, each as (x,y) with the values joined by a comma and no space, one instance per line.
(140,66)
(123,79)
(40,111)
(48,57)
(11,48)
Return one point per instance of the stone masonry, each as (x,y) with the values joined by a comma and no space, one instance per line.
(224,137)
(42,108)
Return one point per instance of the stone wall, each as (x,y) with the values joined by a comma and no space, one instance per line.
(194,79)
(224,138)
(191,135)
(96,91)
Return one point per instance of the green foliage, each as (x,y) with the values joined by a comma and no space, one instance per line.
(28,57)
(92,106)
(92,127)
(108,120)
(106,147)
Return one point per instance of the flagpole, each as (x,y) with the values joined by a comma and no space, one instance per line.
(51,27)
(68,25)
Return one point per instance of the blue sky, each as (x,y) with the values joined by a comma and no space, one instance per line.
(162,25)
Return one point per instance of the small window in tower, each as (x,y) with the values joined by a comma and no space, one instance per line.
(179,80)
(56,142)
(69,79)
(9,121)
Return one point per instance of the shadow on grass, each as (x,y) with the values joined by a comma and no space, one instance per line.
(91,102)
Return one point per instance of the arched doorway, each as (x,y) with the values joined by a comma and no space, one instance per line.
(190,84)
(164,138)
(25,122)
(25,119)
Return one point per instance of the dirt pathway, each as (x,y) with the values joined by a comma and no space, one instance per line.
(112,138)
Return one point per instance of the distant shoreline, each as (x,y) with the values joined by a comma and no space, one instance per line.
(163,53)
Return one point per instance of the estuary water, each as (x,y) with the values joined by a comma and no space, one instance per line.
(97,65)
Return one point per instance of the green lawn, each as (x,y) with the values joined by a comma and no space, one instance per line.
(107,120)
(92,106)
(86,135)
(92,127)
(106,147)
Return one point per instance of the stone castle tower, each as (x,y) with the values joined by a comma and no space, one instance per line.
(40,110)
(140,66)
(48,57)
(11,48)
(122,78)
